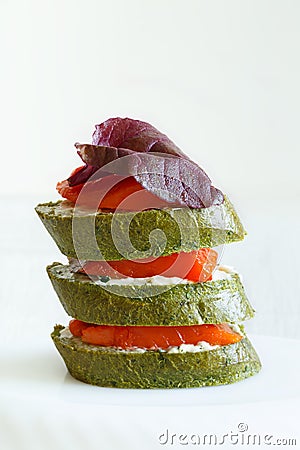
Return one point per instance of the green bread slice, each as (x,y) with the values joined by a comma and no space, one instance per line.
(151,369)
(181,304)
(128,235)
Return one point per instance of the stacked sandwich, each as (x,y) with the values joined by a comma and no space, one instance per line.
(142,226)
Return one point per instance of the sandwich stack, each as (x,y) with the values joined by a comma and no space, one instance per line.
(151,306)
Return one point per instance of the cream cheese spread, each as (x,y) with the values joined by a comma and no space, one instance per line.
(221,273)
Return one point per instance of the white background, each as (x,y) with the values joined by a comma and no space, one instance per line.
(221,78)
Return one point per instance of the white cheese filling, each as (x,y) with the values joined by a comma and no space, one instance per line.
(221,273)
(201,346)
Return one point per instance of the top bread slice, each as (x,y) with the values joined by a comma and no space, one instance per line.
(102,235)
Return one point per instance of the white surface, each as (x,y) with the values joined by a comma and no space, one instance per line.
(64,413)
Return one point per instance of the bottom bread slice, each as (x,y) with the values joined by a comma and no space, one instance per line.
(151,369)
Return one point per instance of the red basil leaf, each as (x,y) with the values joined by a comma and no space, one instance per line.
(82,175)
(134,135)
(137,149)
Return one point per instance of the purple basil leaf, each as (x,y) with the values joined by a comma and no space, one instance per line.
(174,180)
(100,155)
(134,135)
(135,148)
(82,175)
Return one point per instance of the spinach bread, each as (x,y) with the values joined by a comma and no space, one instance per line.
(110,367)
(133,235)
(88,299)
